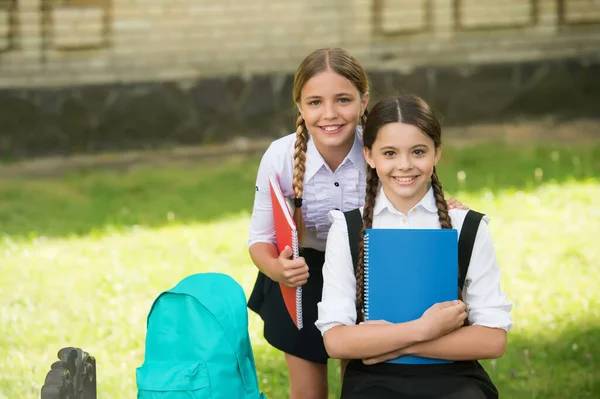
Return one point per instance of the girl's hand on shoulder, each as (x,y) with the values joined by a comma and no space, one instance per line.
(442,318)
(291,272)
(453,203)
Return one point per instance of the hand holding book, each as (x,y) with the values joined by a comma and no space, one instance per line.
(443,318)
(294,271)
(440,319)
(291,272)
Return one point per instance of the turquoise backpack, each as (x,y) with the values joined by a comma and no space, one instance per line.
(197,343)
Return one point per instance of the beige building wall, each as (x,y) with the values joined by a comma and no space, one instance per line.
(50,43)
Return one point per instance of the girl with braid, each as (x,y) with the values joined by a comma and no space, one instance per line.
(322,167)
(402,145)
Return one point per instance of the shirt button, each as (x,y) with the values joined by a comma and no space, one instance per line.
(403,220)
(336,184)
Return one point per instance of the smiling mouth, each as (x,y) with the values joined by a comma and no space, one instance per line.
(405,181)
(331,129)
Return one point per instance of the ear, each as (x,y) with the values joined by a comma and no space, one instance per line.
(368,157)
(364,102)
(299,108)
(438,154)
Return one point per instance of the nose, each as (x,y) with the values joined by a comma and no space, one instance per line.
(329,111)
(404,163)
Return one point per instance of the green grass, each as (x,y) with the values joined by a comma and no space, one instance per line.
(83,256)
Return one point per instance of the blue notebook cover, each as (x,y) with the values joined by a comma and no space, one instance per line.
(406,272)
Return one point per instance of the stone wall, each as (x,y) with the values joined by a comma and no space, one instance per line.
(132,116)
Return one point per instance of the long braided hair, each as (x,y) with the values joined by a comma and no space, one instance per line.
(411,110)
(342,63)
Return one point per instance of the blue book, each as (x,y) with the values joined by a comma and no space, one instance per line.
(406,272)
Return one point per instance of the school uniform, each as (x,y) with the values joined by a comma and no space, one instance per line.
(324,190)
(487,304)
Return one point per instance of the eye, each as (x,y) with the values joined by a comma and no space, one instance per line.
(344,100)
(419,152)
(315,102)
(389,154)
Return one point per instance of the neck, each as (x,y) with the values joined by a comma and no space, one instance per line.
(334,156)
(405,204)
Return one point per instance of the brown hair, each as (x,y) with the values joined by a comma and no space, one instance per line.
(414,111)
(342,63)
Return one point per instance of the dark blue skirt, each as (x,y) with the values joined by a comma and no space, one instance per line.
(279,329)
(458,380)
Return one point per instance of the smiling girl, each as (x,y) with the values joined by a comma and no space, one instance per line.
(402,145)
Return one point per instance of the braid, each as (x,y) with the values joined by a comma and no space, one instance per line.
(299,168)
(363,118)
(445,221)
(371,194)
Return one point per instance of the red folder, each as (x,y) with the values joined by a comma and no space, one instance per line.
(287,235)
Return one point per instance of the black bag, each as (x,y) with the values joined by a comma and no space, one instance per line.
(72,377)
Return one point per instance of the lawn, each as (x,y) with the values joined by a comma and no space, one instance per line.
(83,256)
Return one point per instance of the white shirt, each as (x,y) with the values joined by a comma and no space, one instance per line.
(324,189)
(482,293)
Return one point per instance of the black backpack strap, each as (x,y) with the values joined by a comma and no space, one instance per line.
(355,224)
(466,241)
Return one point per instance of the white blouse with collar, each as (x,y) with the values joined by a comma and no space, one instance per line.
(324,189)
(482,293)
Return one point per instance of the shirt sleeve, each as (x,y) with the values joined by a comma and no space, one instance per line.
(338,303)
(488,305)
(262,226)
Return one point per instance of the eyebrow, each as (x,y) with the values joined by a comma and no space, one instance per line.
(391,147)
(337,95)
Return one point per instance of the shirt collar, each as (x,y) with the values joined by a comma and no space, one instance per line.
(357,155)
(427,202)
(315,161)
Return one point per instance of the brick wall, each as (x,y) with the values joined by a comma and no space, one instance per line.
(81,76)
(51,43)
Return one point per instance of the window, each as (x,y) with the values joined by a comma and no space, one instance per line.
(77,24)
(8,22)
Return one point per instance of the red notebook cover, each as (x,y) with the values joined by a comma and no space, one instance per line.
(287,235)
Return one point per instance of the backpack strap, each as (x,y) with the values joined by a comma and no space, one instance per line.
(466,241)
(355,224)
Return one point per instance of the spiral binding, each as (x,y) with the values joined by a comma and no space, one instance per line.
(296,254)
(366,276)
